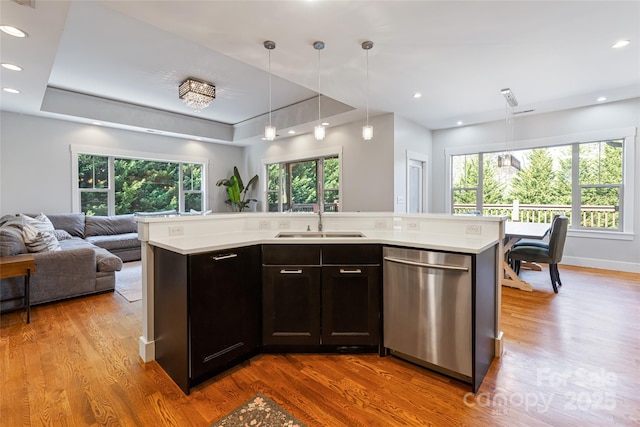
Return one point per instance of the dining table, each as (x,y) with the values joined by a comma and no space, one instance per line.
(513,232)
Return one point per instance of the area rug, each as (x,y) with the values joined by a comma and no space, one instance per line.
(259,411)
(129,281)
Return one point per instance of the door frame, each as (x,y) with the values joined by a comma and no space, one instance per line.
(424,159)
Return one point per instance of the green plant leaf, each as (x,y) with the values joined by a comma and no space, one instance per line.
(236,173)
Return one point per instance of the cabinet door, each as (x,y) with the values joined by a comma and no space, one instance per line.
(223,323)
(291,305)
(350,305)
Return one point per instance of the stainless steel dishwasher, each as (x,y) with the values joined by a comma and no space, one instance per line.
(428,309)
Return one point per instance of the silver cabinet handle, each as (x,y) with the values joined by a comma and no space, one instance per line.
(221,257)
(425,265)
(355,271)
(290,271)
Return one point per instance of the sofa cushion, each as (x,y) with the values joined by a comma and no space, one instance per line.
(106,261)
(120,241)
(72,223)
(11,241)
(109,225)
(39,241)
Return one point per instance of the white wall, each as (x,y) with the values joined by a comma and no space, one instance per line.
(596,252)
(35,160)
(414,138)
(367,166)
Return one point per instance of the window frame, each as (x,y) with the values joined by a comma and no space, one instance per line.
(327,152)
(113,153)
(628,135)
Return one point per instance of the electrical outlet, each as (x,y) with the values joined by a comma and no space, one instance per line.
(264,225)
(473,229)
(176,230)
(412,225)
(284,225)
(380,223)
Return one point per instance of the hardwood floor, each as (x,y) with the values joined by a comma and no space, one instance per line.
(570,359)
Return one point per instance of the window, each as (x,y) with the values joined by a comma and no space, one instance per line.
(584,181)
(109,185)
(298,186)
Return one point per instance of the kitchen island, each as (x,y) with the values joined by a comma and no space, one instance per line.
(173,247)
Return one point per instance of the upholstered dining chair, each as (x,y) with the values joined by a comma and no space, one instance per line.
(551,254)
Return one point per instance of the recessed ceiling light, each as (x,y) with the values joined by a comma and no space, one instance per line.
(291,132)
(602,99)
(620,43)
(11,67)
(325,124)
(10,90)
(417,95)
(459,123)
(198,138)
(97,123)
(13,31)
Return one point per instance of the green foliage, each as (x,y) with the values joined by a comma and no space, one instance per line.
(237,191)
(534,184)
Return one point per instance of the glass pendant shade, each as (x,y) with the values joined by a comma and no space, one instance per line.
(367,132)
(269,133)
(318,132)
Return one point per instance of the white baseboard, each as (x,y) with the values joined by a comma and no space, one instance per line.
(605,264)
(147,350)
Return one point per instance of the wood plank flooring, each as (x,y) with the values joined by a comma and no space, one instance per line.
(570,359)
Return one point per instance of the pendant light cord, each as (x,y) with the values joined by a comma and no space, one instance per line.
(319,116)
(367,87)
(269,87)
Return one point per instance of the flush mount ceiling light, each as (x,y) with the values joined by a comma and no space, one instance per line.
(510,97)
(11,67)
(13,31)
(196,94)
(10,90)
(367,129)
(269,131)
(620,43)
(601,99)
(319,130)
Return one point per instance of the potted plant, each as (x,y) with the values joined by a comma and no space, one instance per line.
(237,191)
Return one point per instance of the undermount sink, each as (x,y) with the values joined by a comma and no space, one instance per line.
(319,234)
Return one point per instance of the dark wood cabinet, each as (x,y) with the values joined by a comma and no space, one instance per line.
(350,305)
(208,311)
(351,295)
(319,297)
(291,305)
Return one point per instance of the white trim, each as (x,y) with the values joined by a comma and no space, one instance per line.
(627,133)
(605,264)
(295,157)
(424,159)
(76,149)
(600,234)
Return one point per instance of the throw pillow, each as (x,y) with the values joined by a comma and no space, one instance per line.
(62,235)
(39,241)
(40,222)
(11,241)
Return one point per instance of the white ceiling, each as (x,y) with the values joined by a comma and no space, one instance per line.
(458,54)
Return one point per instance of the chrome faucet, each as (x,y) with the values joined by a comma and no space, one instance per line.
(320,217)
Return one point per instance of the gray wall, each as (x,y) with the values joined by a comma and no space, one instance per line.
(35,160)
(409,136)
(585,251)
(367,166)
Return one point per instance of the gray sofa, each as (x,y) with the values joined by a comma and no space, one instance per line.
(92,249)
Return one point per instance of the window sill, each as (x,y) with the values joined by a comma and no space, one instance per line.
(599,234)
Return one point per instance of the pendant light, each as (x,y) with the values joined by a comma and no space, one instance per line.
(508,160)
(319,130)
(367,129)
(269,131)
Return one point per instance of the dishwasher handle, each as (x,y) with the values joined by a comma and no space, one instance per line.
(426,265)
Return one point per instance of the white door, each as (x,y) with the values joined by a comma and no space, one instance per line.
(415,186)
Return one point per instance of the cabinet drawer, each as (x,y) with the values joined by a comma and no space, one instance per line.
(351,254)
(291,254)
